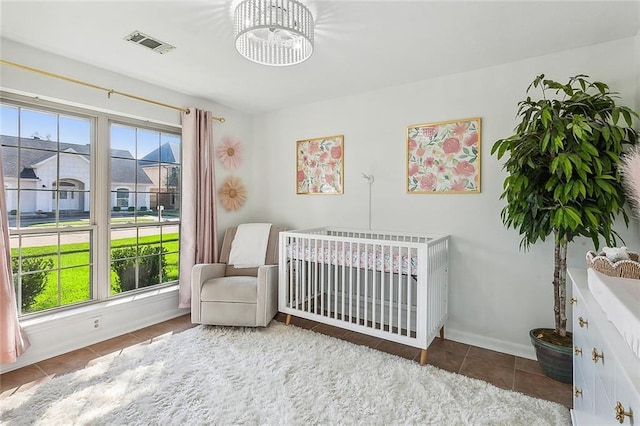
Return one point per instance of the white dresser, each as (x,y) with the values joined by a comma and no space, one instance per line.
(606,372)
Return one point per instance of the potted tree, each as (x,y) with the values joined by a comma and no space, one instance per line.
(564,182)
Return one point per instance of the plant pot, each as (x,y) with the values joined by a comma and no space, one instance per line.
(556,361)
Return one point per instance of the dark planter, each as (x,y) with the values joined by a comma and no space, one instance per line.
(556,361)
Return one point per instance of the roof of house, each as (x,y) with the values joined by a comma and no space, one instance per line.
(167,153)
(123,169)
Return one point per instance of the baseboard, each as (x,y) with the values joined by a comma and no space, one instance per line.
(62,332)
(524,351)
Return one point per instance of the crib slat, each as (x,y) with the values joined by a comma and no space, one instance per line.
(358,269)
(322,279)
(400,280)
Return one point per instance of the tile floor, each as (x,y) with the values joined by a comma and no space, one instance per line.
(505,371)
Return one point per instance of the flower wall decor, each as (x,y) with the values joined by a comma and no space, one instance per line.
(232,193)
(444,157)
(319,165)
(230,153)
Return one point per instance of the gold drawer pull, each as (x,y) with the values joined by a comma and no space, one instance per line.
(577,351)
(582,322)
(595,356)
(620,413)
(577,392)
(573,300)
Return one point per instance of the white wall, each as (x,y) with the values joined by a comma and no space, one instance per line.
(496,292)
(64,332)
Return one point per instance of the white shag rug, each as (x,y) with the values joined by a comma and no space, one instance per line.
(279,375)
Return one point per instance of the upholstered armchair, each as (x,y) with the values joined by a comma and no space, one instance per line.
(223,294)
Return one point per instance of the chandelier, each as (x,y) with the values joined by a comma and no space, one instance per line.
(273,32)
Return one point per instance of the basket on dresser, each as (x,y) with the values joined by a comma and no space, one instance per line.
(627,268)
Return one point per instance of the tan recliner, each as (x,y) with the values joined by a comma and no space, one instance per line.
(224,295)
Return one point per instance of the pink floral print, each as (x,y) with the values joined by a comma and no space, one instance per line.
(444,157)
(319,166)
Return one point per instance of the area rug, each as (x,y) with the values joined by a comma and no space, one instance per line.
(279,375)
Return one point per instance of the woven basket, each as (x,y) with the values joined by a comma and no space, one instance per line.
(622,268)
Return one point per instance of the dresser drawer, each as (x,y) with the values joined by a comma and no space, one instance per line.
(582,388)
(627,395)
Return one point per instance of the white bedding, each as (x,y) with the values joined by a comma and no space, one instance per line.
(358,256)
(620,301)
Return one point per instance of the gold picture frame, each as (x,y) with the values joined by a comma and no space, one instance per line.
(444,157)
(320,165)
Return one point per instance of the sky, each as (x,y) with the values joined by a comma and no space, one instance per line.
(28,123)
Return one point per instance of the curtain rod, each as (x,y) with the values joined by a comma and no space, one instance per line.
(95,86)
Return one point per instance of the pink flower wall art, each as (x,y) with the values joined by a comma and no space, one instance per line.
(319,165)
(232,194)
(444,157)
(230,153)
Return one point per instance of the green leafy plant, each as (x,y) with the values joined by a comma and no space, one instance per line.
(151,266)
(563,170)
(33,272)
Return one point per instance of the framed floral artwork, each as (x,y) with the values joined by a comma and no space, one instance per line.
(444,157)
(319,165)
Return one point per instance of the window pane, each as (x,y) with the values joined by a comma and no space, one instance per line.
(10,166)
(75,286)
(75,130)
(123,237)
(9,120)
(170,243)
(173,142)
(34,264)
(12,206)
(150,268)
(148,144)
(38,125)
(145,181)
(123,140)
(123,276)
(75,249)
(143,212)
(170,178)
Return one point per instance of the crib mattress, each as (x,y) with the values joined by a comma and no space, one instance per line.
(366,256)
(620,301)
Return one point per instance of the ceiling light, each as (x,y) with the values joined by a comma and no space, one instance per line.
(273,32)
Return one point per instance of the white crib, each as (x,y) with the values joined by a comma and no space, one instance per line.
(385,284)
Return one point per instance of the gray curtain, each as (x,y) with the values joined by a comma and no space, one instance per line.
(198,234)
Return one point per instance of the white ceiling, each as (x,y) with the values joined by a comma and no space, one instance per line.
(359,45)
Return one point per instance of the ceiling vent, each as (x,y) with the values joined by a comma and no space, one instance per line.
(149,42)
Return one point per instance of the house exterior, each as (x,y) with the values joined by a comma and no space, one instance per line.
(33,163)
(161,166)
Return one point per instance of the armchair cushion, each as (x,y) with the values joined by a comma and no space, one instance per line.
(239,289)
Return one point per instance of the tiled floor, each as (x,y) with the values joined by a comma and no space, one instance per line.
(502,370)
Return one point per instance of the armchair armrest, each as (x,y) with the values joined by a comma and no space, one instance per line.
(267,294)
(199,274)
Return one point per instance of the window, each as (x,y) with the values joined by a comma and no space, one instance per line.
(50,233)
(122,197)
(56,170)
(145,228)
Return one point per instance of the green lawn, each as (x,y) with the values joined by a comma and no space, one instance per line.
(73,286)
